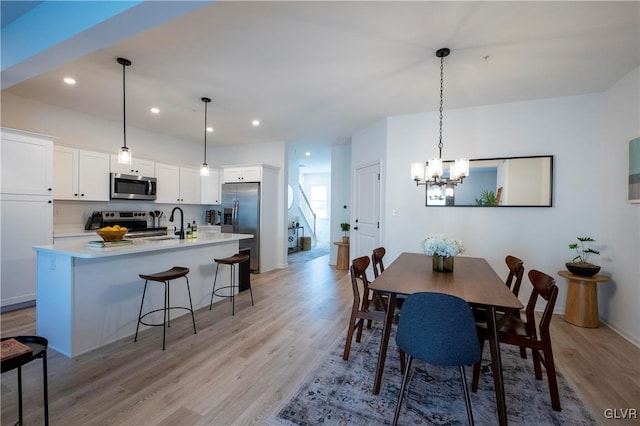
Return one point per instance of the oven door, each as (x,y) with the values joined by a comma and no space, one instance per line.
(132,187)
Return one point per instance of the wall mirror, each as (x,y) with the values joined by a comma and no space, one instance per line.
(498,182)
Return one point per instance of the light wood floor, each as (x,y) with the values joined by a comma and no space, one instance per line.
(237,370)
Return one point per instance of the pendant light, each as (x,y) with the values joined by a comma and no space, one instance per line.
(430,173)
(204,167)
(124,155)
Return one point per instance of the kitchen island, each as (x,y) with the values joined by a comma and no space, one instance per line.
(88,297)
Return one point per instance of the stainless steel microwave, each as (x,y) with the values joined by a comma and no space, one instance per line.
(132,187)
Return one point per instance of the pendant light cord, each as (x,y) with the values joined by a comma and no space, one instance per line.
(205,132)
(441,97)
(124,106)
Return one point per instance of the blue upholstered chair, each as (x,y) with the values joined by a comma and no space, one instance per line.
(439,329)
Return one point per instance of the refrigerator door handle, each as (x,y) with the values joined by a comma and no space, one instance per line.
(236,207)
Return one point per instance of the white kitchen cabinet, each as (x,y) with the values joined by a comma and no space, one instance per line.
(211,190)
(27,163)
(80,174)
(242,174)
(190,192)
(139,167)
(177,184)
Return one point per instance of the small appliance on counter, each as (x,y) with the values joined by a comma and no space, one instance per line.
(94,221)
(213,217)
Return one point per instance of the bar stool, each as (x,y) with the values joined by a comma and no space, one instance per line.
(165,277)
(38,347)
(232,261)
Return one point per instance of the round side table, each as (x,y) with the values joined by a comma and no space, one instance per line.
(581,307)
(343,256)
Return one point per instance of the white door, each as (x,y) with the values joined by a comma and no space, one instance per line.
(366,226)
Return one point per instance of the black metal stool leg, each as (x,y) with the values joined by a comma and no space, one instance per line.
(140,314)
(165,313)
(214,286)
(46,391)
(233,290)
(191,306)
(20,395)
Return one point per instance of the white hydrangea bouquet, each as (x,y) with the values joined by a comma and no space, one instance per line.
(441,245)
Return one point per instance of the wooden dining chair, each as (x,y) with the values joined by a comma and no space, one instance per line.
(439,329)
(360,308)
(527,334)
(513,282)
(376,261)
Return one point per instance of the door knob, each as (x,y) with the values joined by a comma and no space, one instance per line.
(355,228)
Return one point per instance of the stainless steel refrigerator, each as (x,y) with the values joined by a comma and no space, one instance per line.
(241,215)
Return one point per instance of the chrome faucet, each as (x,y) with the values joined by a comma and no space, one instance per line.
(181,231)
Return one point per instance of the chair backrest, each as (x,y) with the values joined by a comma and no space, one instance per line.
(376,260)
(358,270)
(438,328)
(545,287)
(516,272)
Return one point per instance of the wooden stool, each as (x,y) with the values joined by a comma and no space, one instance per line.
(165,277)
(581,307)
(38,347)
(232,261)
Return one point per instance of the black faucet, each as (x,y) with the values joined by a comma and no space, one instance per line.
(181,231)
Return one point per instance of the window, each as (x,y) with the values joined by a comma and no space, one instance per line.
(318,200)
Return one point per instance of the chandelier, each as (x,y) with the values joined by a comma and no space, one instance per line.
(431,173)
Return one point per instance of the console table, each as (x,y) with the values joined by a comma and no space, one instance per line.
(293,238)
(581,307)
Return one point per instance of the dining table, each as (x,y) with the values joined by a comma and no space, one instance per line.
(472,279)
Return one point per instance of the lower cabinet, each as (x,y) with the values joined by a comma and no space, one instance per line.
(27,221)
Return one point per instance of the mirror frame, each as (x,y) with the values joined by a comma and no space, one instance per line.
(551,183)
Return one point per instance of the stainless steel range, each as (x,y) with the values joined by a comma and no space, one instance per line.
(136,221)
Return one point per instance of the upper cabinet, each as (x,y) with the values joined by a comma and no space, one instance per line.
(139,167)
(242,174)
(27,163)
(177,184)
(211,188)
(80,174)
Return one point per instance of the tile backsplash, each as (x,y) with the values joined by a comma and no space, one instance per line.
(77,212)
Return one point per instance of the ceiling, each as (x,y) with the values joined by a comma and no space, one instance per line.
(314,73)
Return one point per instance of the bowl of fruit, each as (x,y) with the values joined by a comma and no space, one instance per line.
(112,233)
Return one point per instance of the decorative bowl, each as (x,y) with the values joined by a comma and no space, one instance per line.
(583,270)
(112,235)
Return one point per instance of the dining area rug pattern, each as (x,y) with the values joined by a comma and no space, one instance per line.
(338,392)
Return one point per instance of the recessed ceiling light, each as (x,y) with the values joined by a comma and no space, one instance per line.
(255,123)
(70,81)
(155,110)
(308,154)
(209,129)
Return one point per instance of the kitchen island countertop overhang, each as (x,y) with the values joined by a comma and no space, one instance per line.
(87,297)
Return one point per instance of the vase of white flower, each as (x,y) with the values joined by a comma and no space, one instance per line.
(442,249)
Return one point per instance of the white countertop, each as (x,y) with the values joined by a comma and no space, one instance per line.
(74,248)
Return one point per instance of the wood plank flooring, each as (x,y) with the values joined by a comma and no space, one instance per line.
(237,370)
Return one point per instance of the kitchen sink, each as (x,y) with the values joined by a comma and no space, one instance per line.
(163,237)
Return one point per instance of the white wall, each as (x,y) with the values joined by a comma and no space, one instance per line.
(579,132)
(619,228)
(340,195)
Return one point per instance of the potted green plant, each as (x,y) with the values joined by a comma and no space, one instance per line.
(487,198)
(580,265)
(344,226)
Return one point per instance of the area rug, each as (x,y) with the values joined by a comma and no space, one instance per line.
(338,392)
(303,256)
